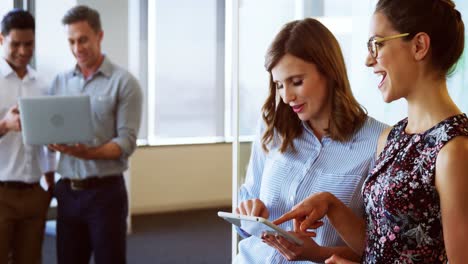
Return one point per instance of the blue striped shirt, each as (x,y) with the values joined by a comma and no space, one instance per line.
(281,180)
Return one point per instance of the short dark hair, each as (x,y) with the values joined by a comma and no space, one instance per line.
(83,13)
(17,19)
(437,18)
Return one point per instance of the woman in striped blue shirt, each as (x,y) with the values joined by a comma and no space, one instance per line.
(314,137)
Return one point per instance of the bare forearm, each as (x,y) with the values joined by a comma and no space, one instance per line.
(351,227)
(108,151)
(345,252)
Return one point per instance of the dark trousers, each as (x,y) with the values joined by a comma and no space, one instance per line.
(92,221)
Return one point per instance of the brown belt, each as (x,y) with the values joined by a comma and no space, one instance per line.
(92,182)
(18,185)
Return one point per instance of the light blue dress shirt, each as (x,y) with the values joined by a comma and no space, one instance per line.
(116,105)
(281,180)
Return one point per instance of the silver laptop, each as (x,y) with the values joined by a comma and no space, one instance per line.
(56,119)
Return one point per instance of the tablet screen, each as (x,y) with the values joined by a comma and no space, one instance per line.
(256,226)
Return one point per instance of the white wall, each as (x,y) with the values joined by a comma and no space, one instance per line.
(52,52)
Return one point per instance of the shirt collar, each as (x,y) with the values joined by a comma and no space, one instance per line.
(105,68)
(6,70)
(32,74)
(349,143)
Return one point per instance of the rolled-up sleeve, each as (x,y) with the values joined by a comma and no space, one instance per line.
(129,109)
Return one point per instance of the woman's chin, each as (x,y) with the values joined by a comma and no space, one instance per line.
(388,99)
(386,96)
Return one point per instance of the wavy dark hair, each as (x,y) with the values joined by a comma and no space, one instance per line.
(437,18)
(312,42)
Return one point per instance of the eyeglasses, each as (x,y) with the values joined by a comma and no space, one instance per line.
(373,43)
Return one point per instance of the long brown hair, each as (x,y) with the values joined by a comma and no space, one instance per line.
(312,42)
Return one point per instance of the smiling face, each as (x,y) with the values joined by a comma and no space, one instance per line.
(18,48)
(85,44)
(394,60)
(303,88)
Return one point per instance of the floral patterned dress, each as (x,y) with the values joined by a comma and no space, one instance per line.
(401,202)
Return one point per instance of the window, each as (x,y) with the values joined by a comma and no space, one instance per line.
(457,83)
(5,6)
(259,21)
(181,49)
(346,20)
(185,71)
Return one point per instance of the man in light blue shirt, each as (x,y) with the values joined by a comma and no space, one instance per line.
(92,199)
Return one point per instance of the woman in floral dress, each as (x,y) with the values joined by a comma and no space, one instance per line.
(415,197)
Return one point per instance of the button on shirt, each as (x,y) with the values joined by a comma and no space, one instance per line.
(282,180)
(20,162)
(116,101)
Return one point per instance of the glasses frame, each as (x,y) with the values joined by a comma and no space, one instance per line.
(373,41)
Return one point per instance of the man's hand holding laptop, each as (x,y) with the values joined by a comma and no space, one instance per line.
(109,150)
(77,150)
(11,121)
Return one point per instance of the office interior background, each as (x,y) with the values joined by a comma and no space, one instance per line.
(200,64)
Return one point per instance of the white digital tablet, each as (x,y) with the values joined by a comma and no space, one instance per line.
(256,226)
(56,119)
